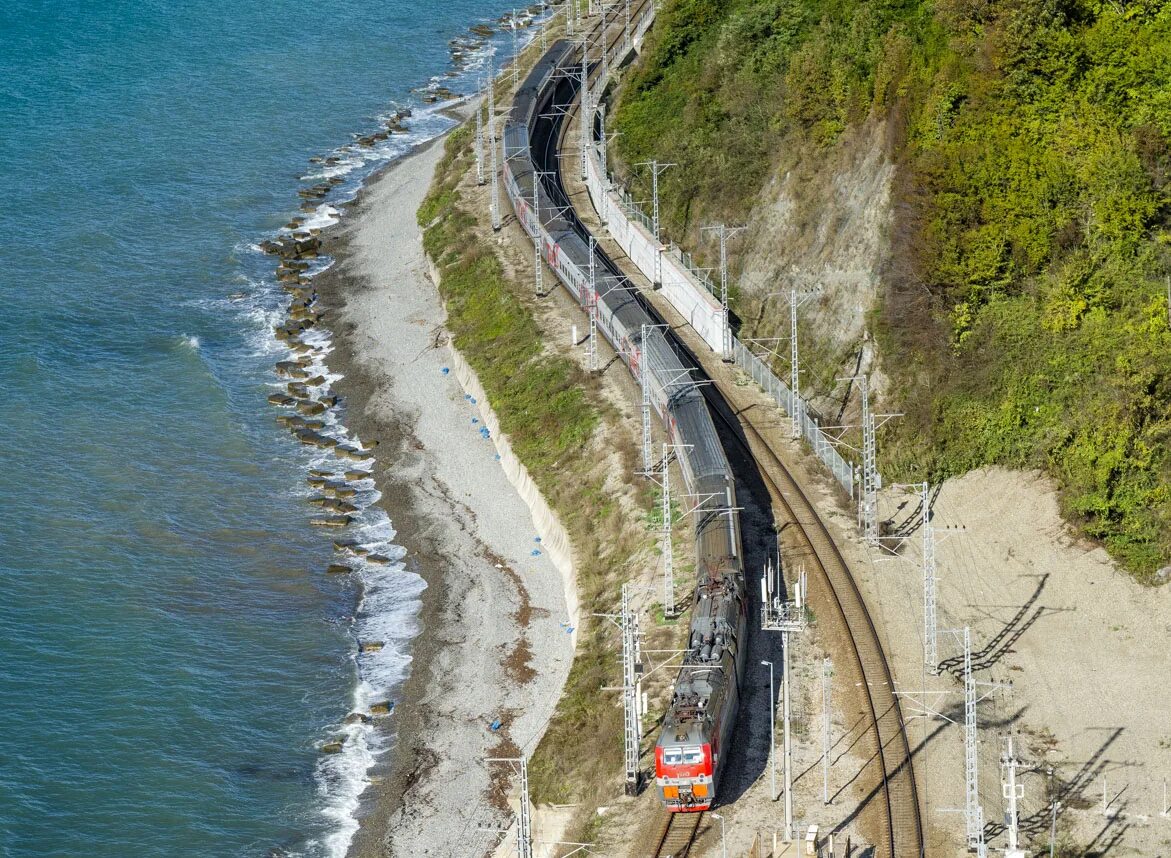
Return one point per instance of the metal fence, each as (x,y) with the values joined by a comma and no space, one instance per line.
(822,444)
(700,274)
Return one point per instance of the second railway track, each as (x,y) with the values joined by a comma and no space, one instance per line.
(897,792)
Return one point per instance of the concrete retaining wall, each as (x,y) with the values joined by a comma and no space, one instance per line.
(689,298)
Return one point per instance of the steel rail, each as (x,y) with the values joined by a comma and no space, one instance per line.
(677,835)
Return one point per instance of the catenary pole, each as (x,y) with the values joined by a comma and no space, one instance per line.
(644,377)
(826,670)
(592,348)
(772,732)
(515,49)
(668,548)
(725,232)
(657,169)
(495,201)
(930,623)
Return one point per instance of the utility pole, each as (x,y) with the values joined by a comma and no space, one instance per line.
(1055,804)
(515,50)
(603,160)
(602,146)
(668,548)
(656,169)
(787,709)
(796,403)
(772,732)
(627,622)
(480,137)
(644,378)
(524,834)
(1013,792)
(524,823)
(538,240)
(630,695)
(826,672)
(930,628)
(626,34)
(786,617)
(569,4)
(795,368)
(723,836)
(495,203)
(973,812)
(868,500)
(726,232)
(602,6)
(586,109)
(592,348)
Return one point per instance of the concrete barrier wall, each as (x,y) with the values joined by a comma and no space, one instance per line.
(554,538)
(689,298)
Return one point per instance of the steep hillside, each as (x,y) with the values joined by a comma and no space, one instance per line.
(1017,294)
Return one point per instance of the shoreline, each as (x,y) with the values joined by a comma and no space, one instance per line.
(467,554)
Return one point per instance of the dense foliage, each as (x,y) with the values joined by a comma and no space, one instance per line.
(1025,319)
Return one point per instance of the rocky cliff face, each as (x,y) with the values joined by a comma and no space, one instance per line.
(822,227)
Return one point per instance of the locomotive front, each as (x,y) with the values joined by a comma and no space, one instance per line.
(684,773)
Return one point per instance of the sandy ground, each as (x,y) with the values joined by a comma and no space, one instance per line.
(493,643)
(1084,648)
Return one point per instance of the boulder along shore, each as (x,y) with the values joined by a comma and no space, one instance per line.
(494,648)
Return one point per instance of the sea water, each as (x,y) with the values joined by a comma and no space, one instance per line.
(172,655)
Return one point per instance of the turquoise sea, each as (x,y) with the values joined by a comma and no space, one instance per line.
(171,654)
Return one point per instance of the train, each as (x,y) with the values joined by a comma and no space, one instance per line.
(691,751)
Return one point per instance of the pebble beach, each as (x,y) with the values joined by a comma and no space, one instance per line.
(494,645)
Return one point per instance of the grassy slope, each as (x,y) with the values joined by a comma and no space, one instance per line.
(1025,319)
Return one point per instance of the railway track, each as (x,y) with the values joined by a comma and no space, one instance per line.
(677,835)
(897,793)
(895,796)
